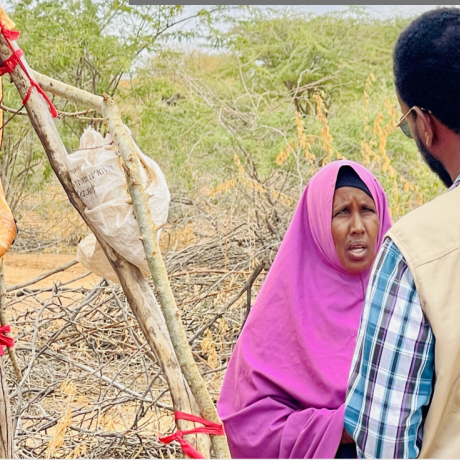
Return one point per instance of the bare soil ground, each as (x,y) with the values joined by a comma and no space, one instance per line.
(24,267)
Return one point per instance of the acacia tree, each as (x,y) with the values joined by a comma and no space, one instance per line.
(236,101)
(285,52)
(89,44)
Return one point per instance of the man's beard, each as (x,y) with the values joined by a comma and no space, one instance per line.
(434,164)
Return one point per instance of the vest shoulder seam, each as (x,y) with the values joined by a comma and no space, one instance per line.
(435,258)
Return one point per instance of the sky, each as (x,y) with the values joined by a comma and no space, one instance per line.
(377,10)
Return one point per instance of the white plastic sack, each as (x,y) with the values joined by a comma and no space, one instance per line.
(92,257)
(96,173)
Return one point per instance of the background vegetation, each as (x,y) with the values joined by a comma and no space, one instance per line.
(269,94)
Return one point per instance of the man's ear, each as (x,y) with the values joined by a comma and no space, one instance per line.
(425,126)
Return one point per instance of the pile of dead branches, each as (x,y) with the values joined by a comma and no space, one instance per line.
(91,386)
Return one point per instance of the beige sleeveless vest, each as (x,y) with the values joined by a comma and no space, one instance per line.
(429,239)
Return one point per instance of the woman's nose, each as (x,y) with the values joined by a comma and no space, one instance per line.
(357,226)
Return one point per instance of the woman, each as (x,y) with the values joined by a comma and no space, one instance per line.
(284,392)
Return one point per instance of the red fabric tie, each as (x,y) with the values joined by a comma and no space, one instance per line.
(4,340)
(8,33)
(208,428)
(9,65)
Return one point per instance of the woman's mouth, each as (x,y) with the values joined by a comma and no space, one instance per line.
(357,250)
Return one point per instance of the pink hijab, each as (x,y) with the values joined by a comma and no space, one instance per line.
(284,392)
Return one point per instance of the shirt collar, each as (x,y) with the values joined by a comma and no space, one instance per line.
(456,183)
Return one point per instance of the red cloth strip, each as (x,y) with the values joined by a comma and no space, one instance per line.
(208,428)
(10,63)
(15,58)
(34,84)
(4,340)
(8,33)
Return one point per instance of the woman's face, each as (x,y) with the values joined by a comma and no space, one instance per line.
(355,229)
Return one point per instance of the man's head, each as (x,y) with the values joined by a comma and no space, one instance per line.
(427,76)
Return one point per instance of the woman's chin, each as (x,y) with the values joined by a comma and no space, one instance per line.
(357,267)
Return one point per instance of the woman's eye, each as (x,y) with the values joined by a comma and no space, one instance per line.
(368,210)
(343,211)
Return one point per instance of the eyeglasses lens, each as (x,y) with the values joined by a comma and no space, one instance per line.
(405,128)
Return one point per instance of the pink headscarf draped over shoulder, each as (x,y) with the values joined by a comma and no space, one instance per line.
(284,392)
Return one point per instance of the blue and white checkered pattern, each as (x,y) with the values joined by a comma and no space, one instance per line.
(392,369)
(392,373)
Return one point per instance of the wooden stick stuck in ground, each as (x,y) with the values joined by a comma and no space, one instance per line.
(148,230)
(4,321)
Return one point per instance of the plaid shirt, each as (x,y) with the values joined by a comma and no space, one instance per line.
(392,373)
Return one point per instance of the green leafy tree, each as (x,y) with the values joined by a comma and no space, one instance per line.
(89,44)
(290,51)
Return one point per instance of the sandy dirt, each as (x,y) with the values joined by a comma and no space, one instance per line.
(24,267)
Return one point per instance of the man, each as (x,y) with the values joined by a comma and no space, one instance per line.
(403,396)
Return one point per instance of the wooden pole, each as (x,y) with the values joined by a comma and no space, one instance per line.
(148,231)
(76,95)
(127,152)
(6,421)
(4,321)
(137,291)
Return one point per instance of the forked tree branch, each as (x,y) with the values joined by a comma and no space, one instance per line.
(137,291)
(148,231)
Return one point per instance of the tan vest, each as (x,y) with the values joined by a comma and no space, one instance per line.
(429,239)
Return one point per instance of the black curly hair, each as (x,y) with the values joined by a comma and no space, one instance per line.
(426,64)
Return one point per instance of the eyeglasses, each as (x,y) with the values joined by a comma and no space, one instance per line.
(404,124)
